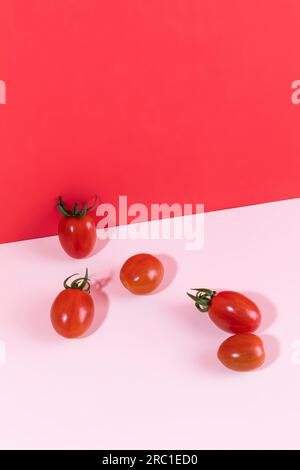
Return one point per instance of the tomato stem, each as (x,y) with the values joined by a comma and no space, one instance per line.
(61,206)
(202,298)
(81,283)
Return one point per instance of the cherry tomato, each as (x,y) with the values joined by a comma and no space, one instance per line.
(77,230)
(230,311)
(242,352)
(72,311)
(142,273)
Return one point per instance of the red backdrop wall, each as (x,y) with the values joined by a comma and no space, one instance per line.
(161,100)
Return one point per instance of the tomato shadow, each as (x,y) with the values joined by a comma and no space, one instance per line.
(99,246)
(101,310)
(170,271)
(101,301)
(272,350)
(98,283)
(267,308)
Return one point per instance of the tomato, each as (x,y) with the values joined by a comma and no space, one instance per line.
(77,230)
(230,311)
(142,273)
(77,236)
(242,352)
(72,311)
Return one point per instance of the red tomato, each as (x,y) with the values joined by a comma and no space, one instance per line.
(72,311)
(230,311)
(142,273)
(242,352)
(77,230)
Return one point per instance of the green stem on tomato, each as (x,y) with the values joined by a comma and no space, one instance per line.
(61,206)
(81,283)
(202,298)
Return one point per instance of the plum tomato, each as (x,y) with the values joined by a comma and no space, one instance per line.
(72,311)
(77,230)
(231,311)
(242,352)
(142,273)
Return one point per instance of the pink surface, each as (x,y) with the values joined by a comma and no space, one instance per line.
(148,376)
(164,101)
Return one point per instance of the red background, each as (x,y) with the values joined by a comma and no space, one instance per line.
(161,100)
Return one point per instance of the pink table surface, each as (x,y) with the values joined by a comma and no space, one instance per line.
(147,376)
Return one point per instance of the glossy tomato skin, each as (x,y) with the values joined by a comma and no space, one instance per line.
(234,312)
(72,313)
(242,353)
(77,235)
(142,273)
